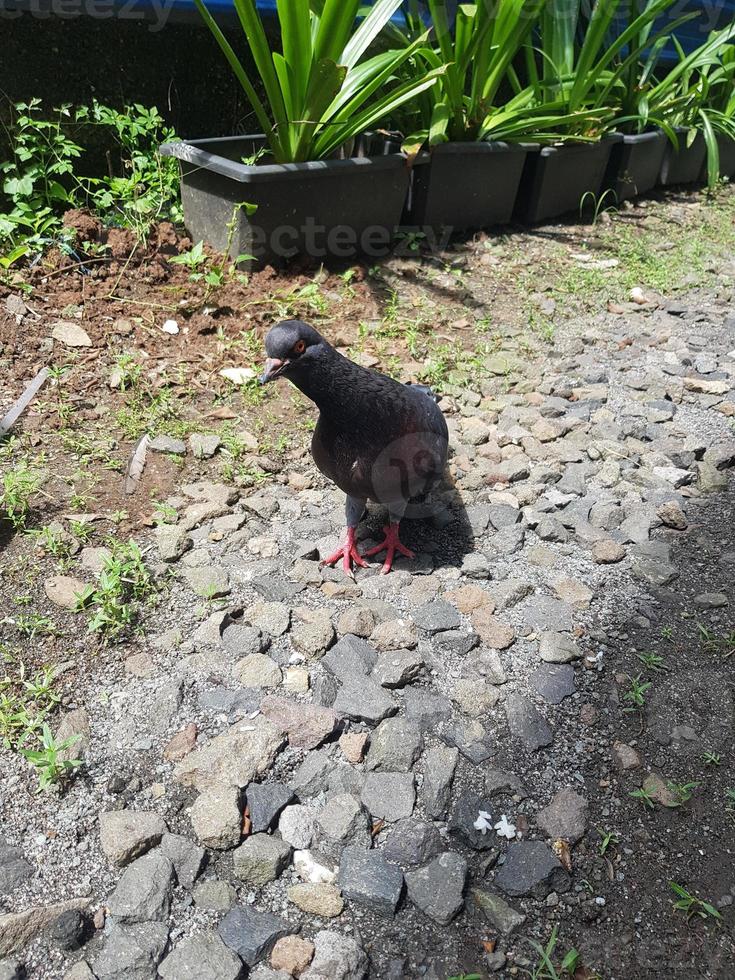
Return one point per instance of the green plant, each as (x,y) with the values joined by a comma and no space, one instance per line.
(47,760)
(682,792)
(25,702)
(545,968)
(609,839)
(712,759)
(123,584)
(598,203)
(691,905)
(17,488)
(652,661)
(636,695)
(320,89)
(644,796)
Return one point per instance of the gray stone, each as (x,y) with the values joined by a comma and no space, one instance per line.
(13,868)
(501,782)
(558,648)
(260,859)
(656,573)
(362,699)
(412,843)
(551,530)
(68,931)
(215,817)
(131,952)
(526,724)
(342,821)
(554,682)
(172,542)
(257,670)
(503,515)
(496,910)
(19,929)
(466,812)
(435,616)
(312,632)
(565,817)
(167,444)
(395,745)
(475,698)
(250,933)
(455,643)
(296,826)
(351,655)
(312,776)
(389,796)
(440,763)
(531,868)
(473,740)
(545,613)
(711,600)
(208,581)
(265,801)
(127,834)
(486,664)
(186,857)
(214,896)
(143,893)
(14,970)
(366,878)
(438,888)
(204,446)
(234,758)
(308,725)
(200,956)
(243,641)
(336,957)
(425,708)
(397,668)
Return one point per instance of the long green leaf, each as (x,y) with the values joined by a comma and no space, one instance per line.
(295,20)
(379,16)
(260,49)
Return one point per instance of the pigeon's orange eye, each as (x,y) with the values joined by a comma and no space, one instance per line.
(299,347)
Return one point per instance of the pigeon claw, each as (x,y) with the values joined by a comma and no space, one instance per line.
(348,553)
(390,546)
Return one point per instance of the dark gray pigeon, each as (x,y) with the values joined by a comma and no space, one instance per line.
(376,438)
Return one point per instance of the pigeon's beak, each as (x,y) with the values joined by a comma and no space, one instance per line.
(273,368)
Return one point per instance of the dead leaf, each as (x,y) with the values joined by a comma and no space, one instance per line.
(625,342)
(247,823)
(615,308)
(489,945)
(564,852)
(222,413)
(377,827)
(136,464)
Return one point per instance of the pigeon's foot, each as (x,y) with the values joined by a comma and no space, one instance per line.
(348,552)
(390,546)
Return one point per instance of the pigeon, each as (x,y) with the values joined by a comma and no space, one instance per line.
(376,439)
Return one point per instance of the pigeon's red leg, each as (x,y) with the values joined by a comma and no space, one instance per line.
(348,552)
(390,546)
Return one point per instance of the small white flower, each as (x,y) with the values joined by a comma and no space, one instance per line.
(505,828)
(484,822)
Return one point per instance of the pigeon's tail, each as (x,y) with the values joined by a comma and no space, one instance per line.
(426,390)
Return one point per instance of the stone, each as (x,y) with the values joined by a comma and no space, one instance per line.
(70,334)
(296,826)
(360,698)
(323,899)
(473,697)
(292,954)
(471,810)
(204,446)
(543,612)
(307,725)
(273,618)
(208,581)
(492,631)
(438,888)
(127,834)
(131,952)
(14,970)
(167,444)
(625,757)
(234,758)
(312,632)
(181,744)
(172,542)
(659,791)
(14,868)
(64,591)
(565,817)
(366,878)
(486,664)
(496,910)
(68,931)
(18,929)
(395,745)
(440,764)
(412,843)
(312,776)
(199,956)
(353,746)
(558,648)
(349,656)
(243,641)
(214,896)
(143,893)
(426,709)
(550,529)
(258,670)
(397,668)
(250,933)
(215,817)
(710,479)
(473,740)
(265,802)
(526,723)
(531,868)
(356,621)
(711,600)
(435,616)
(200,513)
(671,515)
(553,682)
(656,573)
(501,782)
(80,971)
(389,796)
(336,957)
(343,820)
(186,857)
(260,859)
(396,634)
(576,594)
(607,552)
(455,643)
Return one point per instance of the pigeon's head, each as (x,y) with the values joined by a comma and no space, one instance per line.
(291,346)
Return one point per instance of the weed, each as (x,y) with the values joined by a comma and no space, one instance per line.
(47,760)
(128,370)
(691,905)
(25,702)
(636,695)
(712,759)
(17,487)
(123,583)
(667,632)
(682,792)
(164,513)
(644,796)
(600,204)
(609,839)
(712,643)
(32,625)
(652,661)
(545,968)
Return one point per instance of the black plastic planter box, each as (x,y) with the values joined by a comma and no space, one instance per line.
(336,209)
(466,186)
(556,178)
(683,165)
(635,164)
